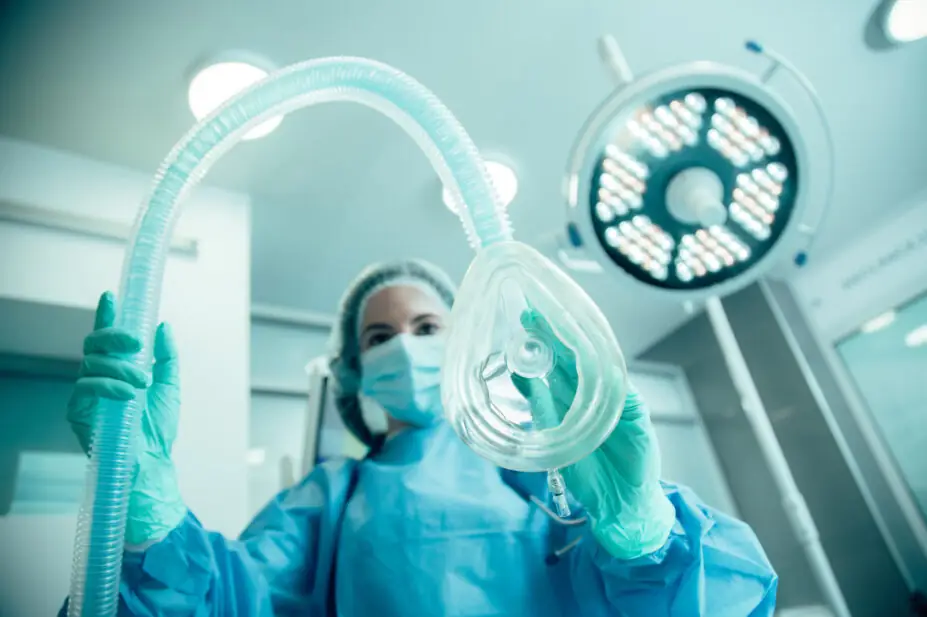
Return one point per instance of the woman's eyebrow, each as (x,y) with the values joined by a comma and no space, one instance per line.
(376,326)
(424,316)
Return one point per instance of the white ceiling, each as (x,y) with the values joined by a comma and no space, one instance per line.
(337,187)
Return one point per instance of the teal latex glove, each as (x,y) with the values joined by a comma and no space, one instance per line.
(155,506)
(619,483)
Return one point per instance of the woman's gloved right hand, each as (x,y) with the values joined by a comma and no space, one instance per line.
(619,483)
(107,374)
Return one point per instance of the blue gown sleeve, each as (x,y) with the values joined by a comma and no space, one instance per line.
(711,564)
(280,565)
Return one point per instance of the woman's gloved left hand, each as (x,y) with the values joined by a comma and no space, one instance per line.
(619,483)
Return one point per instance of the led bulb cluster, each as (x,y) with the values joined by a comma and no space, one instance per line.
(708,251)
(622,184)
(664,248)
(669,128)
(756,199)
(738,136)
(643,243)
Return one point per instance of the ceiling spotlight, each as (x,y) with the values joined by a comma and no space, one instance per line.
(878,323)
(214,84)
(256,456)
(916,337)
(503,178)
(906,21)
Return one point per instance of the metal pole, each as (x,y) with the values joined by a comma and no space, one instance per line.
(792,499)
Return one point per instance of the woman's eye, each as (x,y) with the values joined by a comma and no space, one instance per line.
(427,329)
(378,339)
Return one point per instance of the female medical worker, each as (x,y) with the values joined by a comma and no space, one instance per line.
(422,526)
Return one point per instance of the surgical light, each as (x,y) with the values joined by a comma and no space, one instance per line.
(696,148)
(711,159)
(906,21)
(216,83)
(503,179)
(691,182)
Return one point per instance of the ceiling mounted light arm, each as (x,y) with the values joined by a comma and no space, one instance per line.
(615,60)
(568,246)
(793,502)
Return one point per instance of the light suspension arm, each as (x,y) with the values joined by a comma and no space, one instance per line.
(792,500)
(614,59)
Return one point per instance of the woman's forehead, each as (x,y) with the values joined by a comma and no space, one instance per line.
(398,304)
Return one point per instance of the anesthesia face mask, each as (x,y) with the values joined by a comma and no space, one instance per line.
(489,343)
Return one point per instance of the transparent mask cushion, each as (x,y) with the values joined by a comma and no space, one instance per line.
(99,540)
(488,343)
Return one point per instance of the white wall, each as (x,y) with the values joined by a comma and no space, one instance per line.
(206,298)
(876,272)
(280,352)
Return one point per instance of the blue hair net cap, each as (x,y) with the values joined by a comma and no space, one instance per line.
(344,359)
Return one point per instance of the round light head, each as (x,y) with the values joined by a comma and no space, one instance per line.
(216,83)
(503,179)
(688,180)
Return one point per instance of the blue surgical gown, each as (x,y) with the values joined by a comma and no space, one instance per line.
(426,527)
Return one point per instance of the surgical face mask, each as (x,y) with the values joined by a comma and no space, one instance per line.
(403,376)
(374,416)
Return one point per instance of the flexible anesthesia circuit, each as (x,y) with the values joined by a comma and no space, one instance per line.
(486,340)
